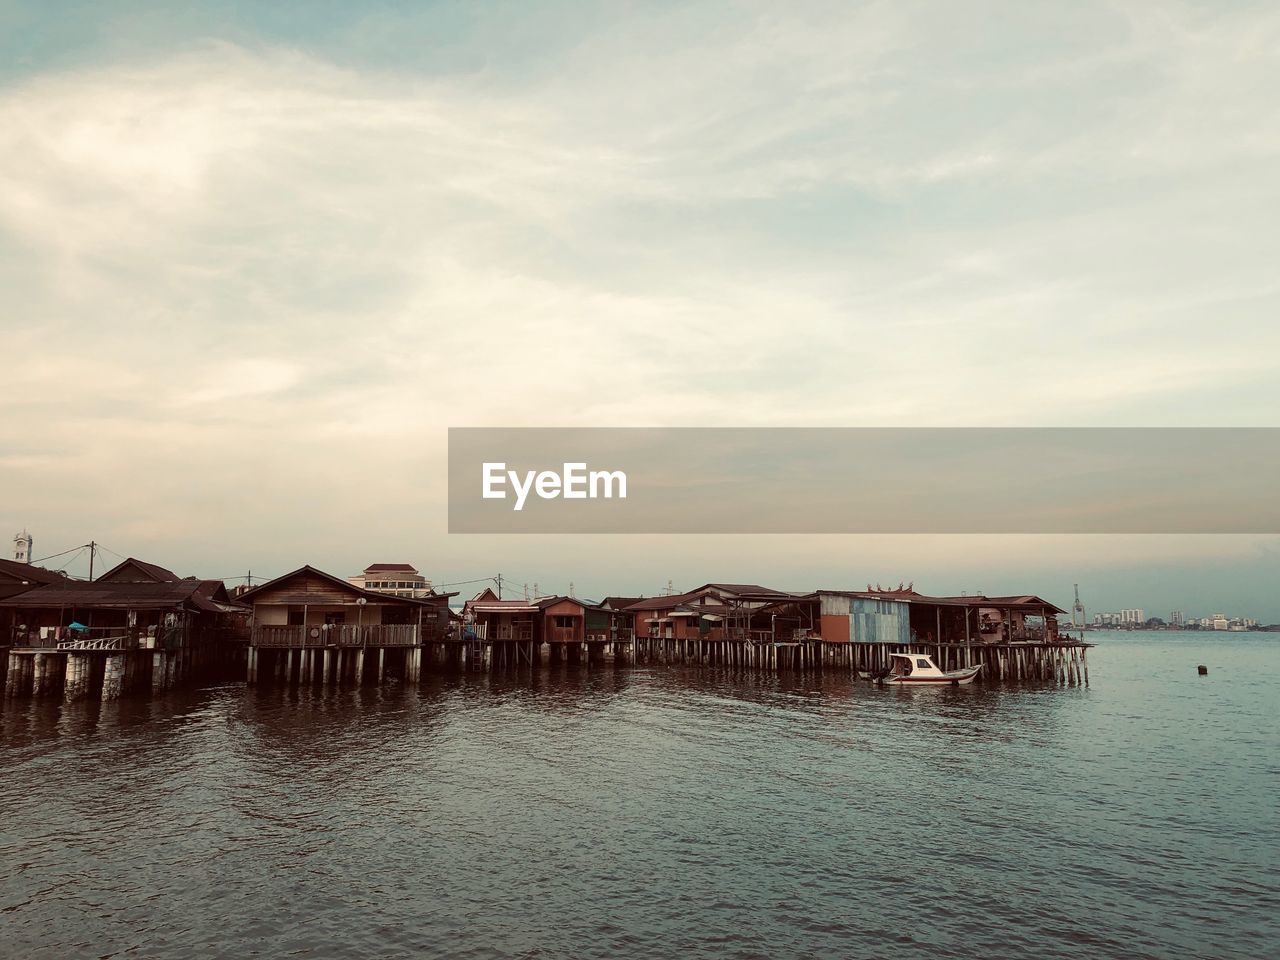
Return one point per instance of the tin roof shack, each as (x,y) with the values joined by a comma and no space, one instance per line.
(311,608)
(654,618)
(1019,619)
(793,619)
(847,616)
(713,611)
(905,616)
(125,615)
(489,619)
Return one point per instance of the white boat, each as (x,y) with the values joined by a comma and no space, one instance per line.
(919,668)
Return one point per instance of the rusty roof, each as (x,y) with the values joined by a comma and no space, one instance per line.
(373,596)
(203,595)
(148,571)
(29,572)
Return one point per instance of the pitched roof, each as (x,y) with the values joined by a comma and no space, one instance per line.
(544,602)
(397,567)
(204,595)
(371,595)
(29,572)
(742,590)
(619,603)
(659,603)
(502,606)
(132,570)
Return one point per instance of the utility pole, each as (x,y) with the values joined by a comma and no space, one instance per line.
(498,579)
(93,549)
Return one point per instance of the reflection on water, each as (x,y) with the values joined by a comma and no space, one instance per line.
(594,812)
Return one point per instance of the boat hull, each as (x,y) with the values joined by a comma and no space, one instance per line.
(957,678)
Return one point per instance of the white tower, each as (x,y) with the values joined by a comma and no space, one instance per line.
(22,543)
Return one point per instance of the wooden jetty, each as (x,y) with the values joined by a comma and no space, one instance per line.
(140,629)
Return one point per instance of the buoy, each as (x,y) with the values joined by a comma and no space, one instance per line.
(1202,670)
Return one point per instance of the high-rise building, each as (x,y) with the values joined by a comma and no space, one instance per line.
(1176,618)
(1134,616)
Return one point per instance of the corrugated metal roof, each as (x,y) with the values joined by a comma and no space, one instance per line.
(504,606)
(206,595)
(373,596)
(149,571)
(29,572)
(659,603)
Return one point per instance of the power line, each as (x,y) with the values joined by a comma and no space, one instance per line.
(79,553)
(55,556)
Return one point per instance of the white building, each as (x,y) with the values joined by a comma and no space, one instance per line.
(397,579)
(22,544)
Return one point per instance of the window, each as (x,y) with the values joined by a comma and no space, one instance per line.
(922,663)
(333,618)
(565,622)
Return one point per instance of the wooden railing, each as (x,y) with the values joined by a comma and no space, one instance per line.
(336,635)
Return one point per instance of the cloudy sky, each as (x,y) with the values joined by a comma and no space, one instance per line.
(257,258)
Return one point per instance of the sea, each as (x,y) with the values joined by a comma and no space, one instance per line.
(659,812)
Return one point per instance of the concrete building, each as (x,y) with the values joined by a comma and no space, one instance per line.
(395,579)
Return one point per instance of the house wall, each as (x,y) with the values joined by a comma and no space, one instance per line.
(305,588)
(564,608)
(863,620)
(278,615)
(834,628)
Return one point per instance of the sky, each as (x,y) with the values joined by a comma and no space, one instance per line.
(257,258)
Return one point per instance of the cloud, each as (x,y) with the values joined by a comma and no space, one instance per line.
(259,279)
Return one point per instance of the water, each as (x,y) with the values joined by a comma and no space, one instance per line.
(658,813)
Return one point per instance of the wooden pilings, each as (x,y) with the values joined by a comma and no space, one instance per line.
(1060,663)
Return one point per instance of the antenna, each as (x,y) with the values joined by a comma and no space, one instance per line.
(670,588)
(571,588)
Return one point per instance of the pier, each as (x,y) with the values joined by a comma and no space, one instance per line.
(142,629)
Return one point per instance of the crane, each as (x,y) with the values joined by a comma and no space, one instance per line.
(1077,609)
